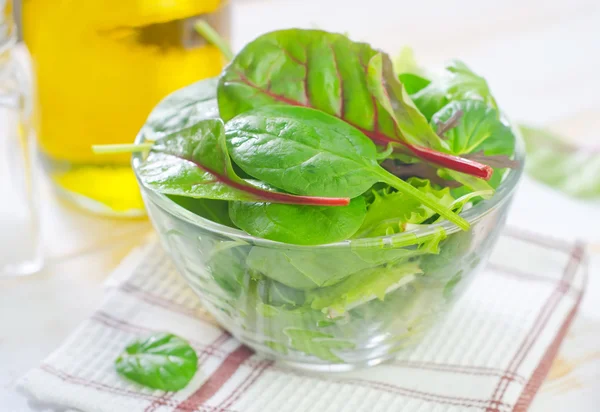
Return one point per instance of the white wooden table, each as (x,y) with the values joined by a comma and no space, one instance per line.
(542,59)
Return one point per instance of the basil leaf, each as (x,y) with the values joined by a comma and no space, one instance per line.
(162,361)
(183,108)
(561,164)
(194,162)
(305,151)
(303,225)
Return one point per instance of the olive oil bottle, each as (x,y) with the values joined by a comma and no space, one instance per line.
(100,66)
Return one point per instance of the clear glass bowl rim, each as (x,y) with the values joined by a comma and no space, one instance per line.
(472,215)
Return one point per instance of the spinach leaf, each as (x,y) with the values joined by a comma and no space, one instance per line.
(194,162)
(479,131)
(562,165)
(215,210)
(410,123)
(183,108)
(302,225)
(162,361)
(324,71)
(308,152)
(458,82)
(390,211)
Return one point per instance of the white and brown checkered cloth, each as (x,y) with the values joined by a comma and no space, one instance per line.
(490,354)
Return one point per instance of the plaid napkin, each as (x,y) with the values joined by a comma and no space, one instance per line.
(490,354)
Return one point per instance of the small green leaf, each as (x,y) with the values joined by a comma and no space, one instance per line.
(458,82)
(562,165)
(162,361)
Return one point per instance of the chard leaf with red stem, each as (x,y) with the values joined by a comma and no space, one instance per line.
(327,72)
(194,162)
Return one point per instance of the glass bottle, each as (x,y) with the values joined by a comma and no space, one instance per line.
(101,66)
(20,245)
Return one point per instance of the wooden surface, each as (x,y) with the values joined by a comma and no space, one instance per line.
(542,60)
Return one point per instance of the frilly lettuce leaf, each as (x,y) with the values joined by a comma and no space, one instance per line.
(317,343)
(362,287)
(389,212)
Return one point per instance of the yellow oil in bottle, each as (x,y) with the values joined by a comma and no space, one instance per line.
(100,68)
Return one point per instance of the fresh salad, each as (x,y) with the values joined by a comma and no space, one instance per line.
(309,138)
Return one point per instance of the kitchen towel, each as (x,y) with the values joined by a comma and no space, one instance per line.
(491,353)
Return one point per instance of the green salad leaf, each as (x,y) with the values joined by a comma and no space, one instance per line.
(389,212)
(194,162)
(182,109)
(287,223)
(458,82)
(558,163)
(480,131)
(317,343)
(162,361)
(362,287)
(326,72)
(317,154)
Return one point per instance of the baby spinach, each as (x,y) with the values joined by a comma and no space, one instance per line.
(182,109)
(327,72)
(308,152)
(162,361)
(194,162)
(288,223)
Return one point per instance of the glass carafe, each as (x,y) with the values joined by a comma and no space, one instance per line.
(101,66)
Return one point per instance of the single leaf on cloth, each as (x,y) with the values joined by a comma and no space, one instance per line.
(194,162)
(162,361)
(183,108)
(561,164)
(316,69)
(457,82)
(299,224)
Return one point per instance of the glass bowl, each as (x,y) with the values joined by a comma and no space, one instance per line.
(330,307)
